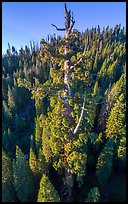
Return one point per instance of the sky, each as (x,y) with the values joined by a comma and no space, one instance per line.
(23,22)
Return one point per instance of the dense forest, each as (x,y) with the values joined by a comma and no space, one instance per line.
(64,117)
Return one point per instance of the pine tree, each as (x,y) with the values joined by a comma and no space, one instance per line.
(7,140)
(42,165)
(11,100)
(38,134)
(96,88)
(33,162)
(47,192)
(8,193)
(23,179)
(116,120)
(115,91)
(7,112)
(95,66)
(112,72)
(46,141)
(104,164)
(40,123)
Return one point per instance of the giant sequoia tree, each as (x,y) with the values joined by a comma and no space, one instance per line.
(68,68)
(60,139)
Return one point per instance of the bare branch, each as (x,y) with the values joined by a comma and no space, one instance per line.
(81,116)
(72,21)
(85,48)
(71,26)
(72,17)
(60,29)
(76,63)
(65,8)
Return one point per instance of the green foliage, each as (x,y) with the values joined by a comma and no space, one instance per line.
(104,164)
(7,179)
(38,165)
(6,168)
(122,150)
(116,120)
(77,163)
(42,165)
(38,134)
(116,90)
(23,179)
(94,137)
(33,162)
(99,138)
(32,80)
(96,88)
(7,112)
(11,100)
(45,141)
(93,195)
(47,192)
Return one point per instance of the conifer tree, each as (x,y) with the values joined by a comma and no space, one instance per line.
(104,164)
(96,88)
(58,74)
(47,192)
(11,100)
(115,91)
(7,112)
(116,120)
(8,193)
(42,165)
(112,72)
(38,134)
(33,162)
(23,179)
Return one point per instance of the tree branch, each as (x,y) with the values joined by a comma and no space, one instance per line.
(65,8)
(81,116)
(72,23)
(85,48)
(60,29)
(71,26)
(72,67)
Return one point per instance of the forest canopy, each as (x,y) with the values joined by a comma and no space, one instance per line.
(64,117)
